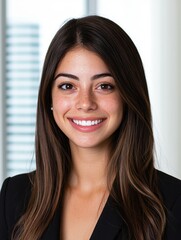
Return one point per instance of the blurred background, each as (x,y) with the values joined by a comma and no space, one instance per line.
(26,29)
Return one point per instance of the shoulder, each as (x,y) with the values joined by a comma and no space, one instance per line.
(18,181)
(14,196)
(16,188)
(170,188)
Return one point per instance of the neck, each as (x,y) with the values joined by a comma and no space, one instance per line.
(89,170)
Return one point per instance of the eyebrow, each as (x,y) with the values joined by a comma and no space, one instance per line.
(96,76)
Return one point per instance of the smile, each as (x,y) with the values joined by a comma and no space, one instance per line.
(87,123)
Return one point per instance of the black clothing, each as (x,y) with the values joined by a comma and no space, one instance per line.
(110,226)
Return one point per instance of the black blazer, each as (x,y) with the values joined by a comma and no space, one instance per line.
(110,226)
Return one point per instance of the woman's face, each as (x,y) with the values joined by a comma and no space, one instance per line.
(86,102)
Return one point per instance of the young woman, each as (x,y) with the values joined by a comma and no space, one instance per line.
(95,177)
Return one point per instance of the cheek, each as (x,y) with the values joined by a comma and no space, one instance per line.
(60,108)
(113,106)
(61,104)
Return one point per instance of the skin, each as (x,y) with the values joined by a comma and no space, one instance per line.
(88,108)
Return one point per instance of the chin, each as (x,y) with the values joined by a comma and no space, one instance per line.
(90,144)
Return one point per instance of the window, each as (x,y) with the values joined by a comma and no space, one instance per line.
(22,77)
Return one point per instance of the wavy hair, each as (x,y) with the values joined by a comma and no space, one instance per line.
(135,187)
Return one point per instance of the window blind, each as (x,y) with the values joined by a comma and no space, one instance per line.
(22,80)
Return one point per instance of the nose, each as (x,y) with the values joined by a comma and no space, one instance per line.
(86,101)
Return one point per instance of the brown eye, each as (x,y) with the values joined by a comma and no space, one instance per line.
(66,86)
(105,86)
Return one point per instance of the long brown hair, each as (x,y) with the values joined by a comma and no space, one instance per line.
(136,188)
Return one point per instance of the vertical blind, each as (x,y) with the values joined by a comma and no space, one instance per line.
(22,80)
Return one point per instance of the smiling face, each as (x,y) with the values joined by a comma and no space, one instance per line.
(86,102)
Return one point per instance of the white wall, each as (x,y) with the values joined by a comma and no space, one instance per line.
(165,84)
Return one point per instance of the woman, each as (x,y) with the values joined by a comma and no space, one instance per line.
(95,176)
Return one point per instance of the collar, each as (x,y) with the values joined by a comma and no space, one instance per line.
(108,227)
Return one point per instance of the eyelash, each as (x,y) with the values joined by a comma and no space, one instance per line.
(106,86)
(66,86)
(102,86)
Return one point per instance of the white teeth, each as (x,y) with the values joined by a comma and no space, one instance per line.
(87,123)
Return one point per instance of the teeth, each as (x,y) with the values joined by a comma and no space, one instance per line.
(87,123)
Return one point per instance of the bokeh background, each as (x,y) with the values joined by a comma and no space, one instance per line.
(26,29)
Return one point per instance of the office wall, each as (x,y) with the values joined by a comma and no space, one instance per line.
(165,82)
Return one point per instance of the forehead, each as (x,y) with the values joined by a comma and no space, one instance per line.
(81,59)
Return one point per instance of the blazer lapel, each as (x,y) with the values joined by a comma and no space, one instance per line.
(109,225)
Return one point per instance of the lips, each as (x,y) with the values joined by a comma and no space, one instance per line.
(87,123)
